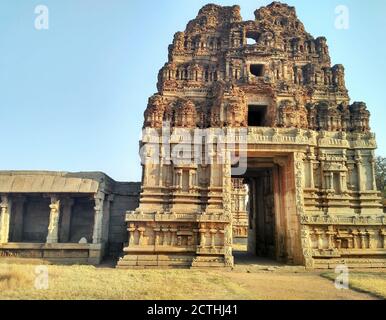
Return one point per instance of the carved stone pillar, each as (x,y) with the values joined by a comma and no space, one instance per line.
(5,210)
(131,229)
(343,181)
(106,217)
(65,225)
(331,179)
(156,232)
(145,173)
(327,180)
(98,218)
(53,226)
(383,234)
(180,173)
(195,178)
(355,234)
(173,234)
(373,171)
(312,180)
(340,182)
(174,178)
(362,239)
(17,232)
(190,179)
(178,179)
(141,231)
(330,237)
(358,162)
(322,175)
(165,231)
(161,169)
(228,70)
(371,239)
(212,237)
(319,237)
(202,232)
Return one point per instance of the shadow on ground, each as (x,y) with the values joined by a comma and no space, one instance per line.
(247,262)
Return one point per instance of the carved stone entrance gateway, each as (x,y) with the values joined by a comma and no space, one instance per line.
(309,152)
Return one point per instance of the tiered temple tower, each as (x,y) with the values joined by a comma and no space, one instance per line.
(310,151)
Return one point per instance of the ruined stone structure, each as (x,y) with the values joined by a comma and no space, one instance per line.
(239,207)
(63,217)
(310,152)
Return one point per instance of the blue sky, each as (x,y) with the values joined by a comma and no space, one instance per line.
(72,97)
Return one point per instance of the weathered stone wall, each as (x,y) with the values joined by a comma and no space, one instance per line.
(126,197)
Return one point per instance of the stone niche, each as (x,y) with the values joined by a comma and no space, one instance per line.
(308,196)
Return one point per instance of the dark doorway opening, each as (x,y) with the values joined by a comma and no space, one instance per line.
(271,202)
(257,70)
(82,220)
(36,217)
(261,211)
(256,115)
(261,246)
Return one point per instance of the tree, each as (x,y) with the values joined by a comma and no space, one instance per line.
(380,164)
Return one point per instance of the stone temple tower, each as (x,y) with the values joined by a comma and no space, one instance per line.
(306,150)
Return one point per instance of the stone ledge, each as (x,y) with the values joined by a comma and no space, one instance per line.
(60,253)
(183,217)
(368,220)
(161,249)
(352,263)
(362,253)
(50,246)
(155,261)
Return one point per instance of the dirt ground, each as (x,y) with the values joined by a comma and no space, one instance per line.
(293,286)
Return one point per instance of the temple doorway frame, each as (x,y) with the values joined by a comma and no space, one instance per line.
(286,202)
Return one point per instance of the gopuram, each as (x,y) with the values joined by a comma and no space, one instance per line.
(298,177)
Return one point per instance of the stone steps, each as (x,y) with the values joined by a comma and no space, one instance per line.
(155,261)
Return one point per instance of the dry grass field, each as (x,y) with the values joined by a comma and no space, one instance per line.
(374,283)
(17,281)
